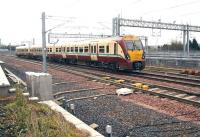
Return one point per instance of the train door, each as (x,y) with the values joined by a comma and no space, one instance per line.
(63,51)
(89,50)
(94,52)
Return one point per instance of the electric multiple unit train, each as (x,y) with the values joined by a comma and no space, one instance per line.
(121,52)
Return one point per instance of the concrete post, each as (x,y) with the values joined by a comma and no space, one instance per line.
(184,45)
(72,108)
(44,43)
(109,131)
(114,27)
(146,44)
(188,45)
(118,25)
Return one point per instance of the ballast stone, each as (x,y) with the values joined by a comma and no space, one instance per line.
(124,91)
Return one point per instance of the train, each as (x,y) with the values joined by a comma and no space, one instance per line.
(117,53)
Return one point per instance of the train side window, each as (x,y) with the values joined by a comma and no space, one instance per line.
(107,49)
(115,48)
(86,49)
(68,49)
(95,49)
(76,49)
(59,49)
(72,49)
(50,49)
(91,49)
(101,49)
(56,49)
(81,49)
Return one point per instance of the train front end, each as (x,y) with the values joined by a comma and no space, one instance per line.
(135,52)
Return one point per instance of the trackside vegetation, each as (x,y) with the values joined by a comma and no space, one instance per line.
(22,118)
(178,46)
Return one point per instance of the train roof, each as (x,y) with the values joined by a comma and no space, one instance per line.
(109,39)
(22,47)
(99,40)
(78,43)
(40,46)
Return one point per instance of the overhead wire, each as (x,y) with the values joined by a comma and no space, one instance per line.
(173,7)
(190,13)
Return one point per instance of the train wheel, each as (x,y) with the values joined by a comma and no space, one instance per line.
(88,63)
(114,66)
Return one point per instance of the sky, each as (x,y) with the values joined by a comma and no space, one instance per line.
(21,19)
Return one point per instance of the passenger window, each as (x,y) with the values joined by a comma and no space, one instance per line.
(115,48)
(56,49)
(86,49)
(72,49)
(68,49)
(107,49)
(101,49)
(95,49)
(92,49)
(59,49)
(76,49)
(80,49)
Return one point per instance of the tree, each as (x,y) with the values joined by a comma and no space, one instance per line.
(194,45)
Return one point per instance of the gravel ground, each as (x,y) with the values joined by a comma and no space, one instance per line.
(134,115)
(66,87)
(128,119)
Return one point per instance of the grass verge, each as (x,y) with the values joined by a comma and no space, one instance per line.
(22,118)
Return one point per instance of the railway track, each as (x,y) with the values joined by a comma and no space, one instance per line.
(121,81)
(158,90)
(172,73)
(167,92)
(169,78)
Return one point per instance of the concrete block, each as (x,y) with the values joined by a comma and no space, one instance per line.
(39,85)
(94,126)
(45,88)
(34,99)
(26,94)
(12,90)
(124,91)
